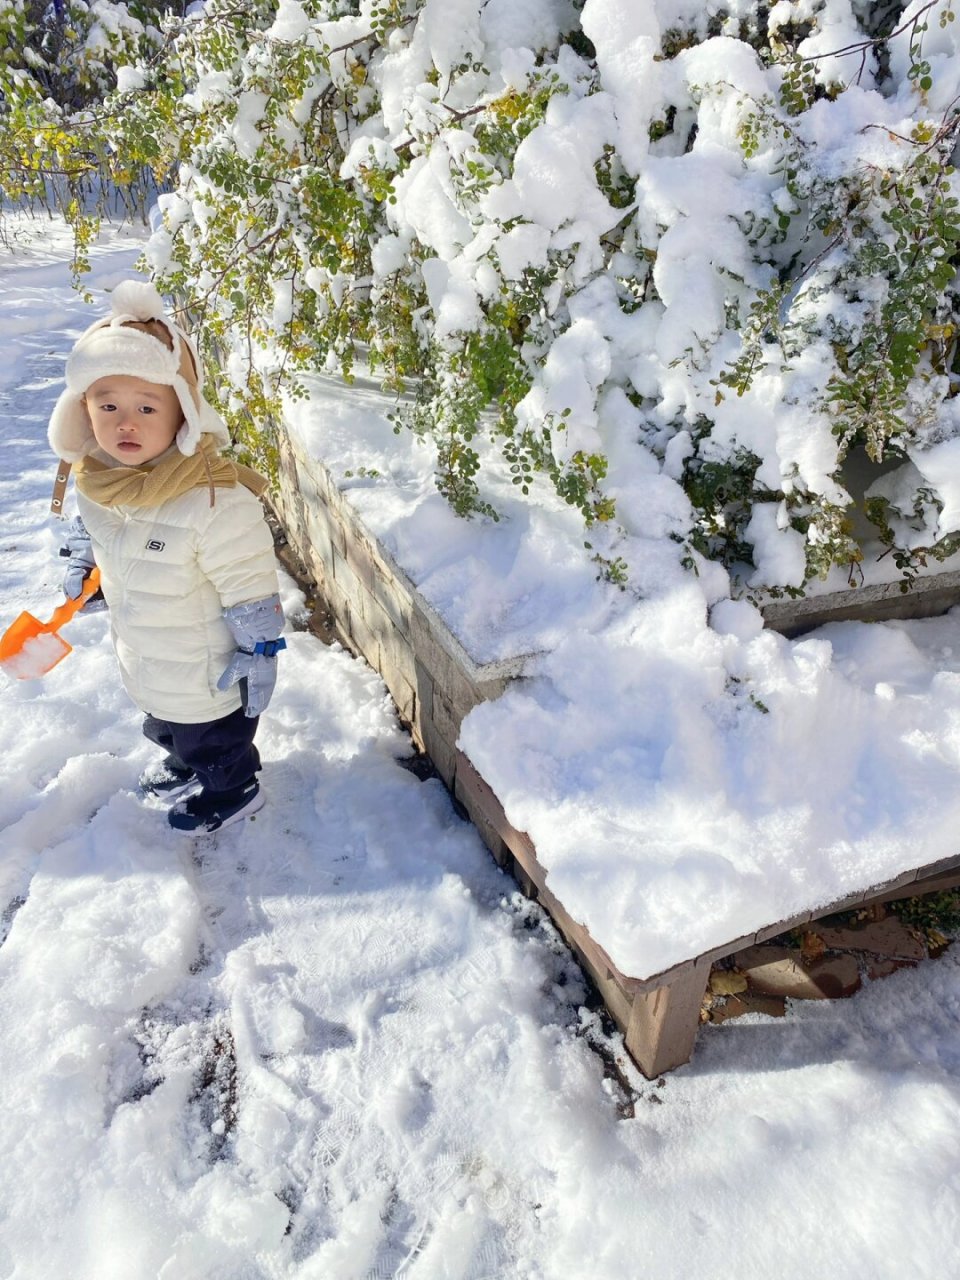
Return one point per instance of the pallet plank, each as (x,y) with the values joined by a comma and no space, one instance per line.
(663,1023)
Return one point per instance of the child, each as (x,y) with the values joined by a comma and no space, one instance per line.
(185,555)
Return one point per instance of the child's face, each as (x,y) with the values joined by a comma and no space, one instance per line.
(133,421)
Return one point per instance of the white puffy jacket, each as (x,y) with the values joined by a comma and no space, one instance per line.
(167,572)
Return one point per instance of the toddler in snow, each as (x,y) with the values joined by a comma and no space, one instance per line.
(186,559)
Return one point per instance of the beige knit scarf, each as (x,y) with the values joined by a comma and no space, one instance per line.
(149,486)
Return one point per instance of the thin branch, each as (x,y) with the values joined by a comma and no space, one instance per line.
(949,123)
(462,115)
(864,46)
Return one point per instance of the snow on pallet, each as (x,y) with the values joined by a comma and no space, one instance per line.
(435,683)
(659,1015)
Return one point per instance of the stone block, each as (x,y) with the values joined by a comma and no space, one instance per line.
(287,461)
(318,568)
(317,531)
(495,843)
(618,1003)
(349,585)
(440,750)
(338,602)
(399,675)
(775,930)
(778,971)
(445,717)
(881,602)
(425,689)
(394,597)
(311,486)
(359,560)
(489,689)
(390,636)
(405,696)
(365,641)
(316,481)
(478,799)
(362,544)
(462,696)
(338,533)
(437,648)
(664,1021)
(397,656)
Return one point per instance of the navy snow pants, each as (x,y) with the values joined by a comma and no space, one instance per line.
(220,752)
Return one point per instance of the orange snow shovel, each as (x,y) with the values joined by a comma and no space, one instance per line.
(30,648)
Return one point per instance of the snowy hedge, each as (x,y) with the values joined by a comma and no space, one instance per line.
(591,236)
(58,141)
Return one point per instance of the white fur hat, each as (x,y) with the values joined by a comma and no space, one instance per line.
(112,346)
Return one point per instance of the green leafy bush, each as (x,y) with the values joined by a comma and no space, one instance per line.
(306,139)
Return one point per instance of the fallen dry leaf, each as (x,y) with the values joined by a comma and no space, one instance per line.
(812,947)
(727,982)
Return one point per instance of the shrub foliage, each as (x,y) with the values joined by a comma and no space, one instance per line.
(345,189)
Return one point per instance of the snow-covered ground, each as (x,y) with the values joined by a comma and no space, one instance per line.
(334,1043)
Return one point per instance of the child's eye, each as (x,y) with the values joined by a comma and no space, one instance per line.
(147,408)
(106,408)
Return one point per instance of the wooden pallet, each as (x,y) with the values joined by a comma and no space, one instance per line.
(659,1015)
(378,612)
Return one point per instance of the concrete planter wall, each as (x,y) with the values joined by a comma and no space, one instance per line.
(933,593)
(381,615)
(878,602)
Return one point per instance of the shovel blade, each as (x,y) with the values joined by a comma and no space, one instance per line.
(17,634)
(35,655)
(30,648)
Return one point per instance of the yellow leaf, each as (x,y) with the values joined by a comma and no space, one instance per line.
(725,982)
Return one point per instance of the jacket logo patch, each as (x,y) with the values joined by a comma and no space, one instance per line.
(154,545)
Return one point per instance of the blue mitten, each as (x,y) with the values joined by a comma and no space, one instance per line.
(256,628)
(79,552)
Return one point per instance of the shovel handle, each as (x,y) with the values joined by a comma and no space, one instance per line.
(64,612)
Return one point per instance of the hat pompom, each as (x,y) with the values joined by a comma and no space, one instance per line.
(137,299)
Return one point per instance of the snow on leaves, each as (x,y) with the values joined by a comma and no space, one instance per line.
(746,226)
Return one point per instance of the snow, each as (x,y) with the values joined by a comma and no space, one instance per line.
(509,25)
(506,590)
(626,36)
(334,1042)
(940,470)
(37,655)
(704,220)
(685,781)
(553,167)
(290,23)
(432,213)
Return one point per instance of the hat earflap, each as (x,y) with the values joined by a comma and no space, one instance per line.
(69,433)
